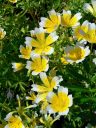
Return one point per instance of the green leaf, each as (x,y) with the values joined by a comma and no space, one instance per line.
(56,3)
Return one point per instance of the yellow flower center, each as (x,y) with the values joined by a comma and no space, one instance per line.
(19,66)
(76,54)
(91,36)
(1,35)
(39,64)
(68,21)
(60,102)
(26,52)
(15,122)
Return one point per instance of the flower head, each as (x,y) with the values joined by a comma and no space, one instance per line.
(91,8)
(76,53)
(17,66)
(25,52)
(60,102)
(48,85)
(13,121)
(83,27)
(37,65)
(68,21)
(13,1)
(89,35)
(50,24)
(41,44)
(2,33)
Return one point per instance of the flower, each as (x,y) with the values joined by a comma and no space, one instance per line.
(68,21)
(48,85)
(76,53)
(94,61)
(64,61)
(37,65)
(13,121)
(25,52)
(41,44)
(2,33)
(17,66)
(60,102)
(51,24)
(89,35)
(83,27)
(91,8)
(13,1)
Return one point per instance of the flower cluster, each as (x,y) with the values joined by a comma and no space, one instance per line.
(49,95)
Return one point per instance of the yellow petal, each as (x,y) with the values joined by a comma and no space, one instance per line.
(44,79)
(35,43)
(50,29)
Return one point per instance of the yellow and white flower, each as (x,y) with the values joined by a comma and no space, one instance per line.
(37,65)
(89,35)
(91,8)
(25,52)
(48,85)
(17,66)
(76,53)
(13,1)
(13,121)
(68,21)
(51,24)
(2,33)
(41,44)
(83,27)
(60,102)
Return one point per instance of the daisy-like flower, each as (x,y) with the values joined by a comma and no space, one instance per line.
(17,66)
(13,121)
(41,44)
(83,27)
(91,8)
(48,85)
(51,24)
(38,65)
(89,35)
(60,102)
(13,1)
(68,21)
(2,33)
(25,52)
(76,53)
